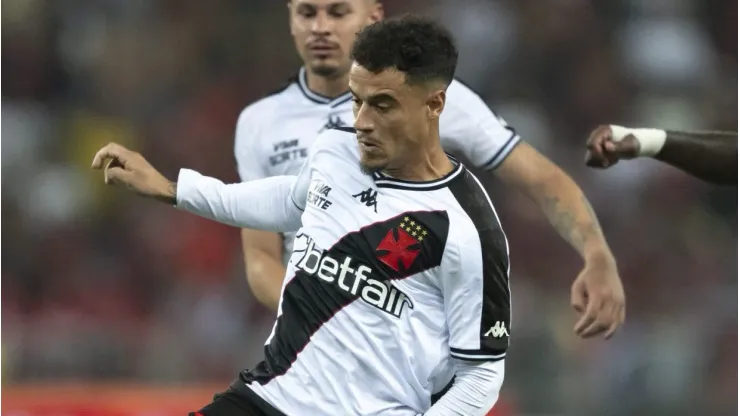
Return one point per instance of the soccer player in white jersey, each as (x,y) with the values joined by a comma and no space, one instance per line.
(400,267)
(273,135)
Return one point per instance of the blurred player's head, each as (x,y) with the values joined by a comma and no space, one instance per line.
(324,30)
(400,72)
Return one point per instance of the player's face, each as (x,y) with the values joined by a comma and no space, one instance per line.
(393,119)
(323,31)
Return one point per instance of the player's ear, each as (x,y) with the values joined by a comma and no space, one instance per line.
(436,103)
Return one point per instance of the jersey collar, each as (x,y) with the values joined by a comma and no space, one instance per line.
(384,181)
(318,98)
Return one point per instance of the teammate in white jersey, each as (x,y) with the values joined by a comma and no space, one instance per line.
(273,135)
(400,266)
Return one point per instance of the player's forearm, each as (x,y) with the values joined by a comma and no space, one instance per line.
(474,392)
(571,215)
(559,198)
(263,204)
(711,156)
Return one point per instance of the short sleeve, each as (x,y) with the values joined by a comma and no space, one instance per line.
(469,127)
(249,162)
(476,305)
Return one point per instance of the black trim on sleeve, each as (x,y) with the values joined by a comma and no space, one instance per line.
(504,151)
(495,318)
(478,355)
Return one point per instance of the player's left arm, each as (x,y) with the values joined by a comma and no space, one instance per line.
(469,126)
(597,293)
(559,198)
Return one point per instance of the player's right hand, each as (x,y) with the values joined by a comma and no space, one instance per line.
(603,151)
(122,166)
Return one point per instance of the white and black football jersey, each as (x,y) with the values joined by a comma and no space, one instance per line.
(388,281)
(273,134)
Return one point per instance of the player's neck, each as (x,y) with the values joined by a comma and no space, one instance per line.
(331,87)
(428,165)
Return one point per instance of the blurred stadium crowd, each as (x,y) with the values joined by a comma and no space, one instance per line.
(97,285)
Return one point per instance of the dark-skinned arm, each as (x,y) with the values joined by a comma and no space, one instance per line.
(707,155)
(710,155)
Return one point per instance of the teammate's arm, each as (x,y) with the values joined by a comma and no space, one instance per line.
(263,250)
(270,204)
(263,262)
(710,155)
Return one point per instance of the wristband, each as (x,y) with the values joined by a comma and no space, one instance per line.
(651,140)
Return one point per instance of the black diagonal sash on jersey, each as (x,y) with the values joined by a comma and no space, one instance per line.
(393,249)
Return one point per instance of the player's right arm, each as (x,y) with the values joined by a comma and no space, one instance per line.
(274,204)
(710,156)
(263,250)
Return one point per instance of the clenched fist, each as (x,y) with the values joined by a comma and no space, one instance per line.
(128,168)
(605,151)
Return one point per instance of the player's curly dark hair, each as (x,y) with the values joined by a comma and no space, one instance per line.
(420,47)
